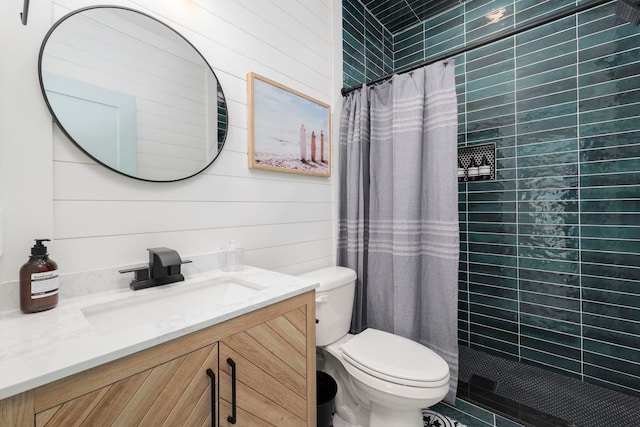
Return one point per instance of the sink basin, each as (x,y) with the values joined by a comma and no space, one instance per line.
(160,306)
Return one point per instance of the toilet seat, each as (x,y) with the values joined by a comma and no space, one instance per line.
(395,359)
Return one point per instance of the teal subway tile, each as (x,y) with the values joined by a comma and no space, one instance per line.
(492,217)
(620,52)
(488,25)
(506,422)
(548,206)
(548,241)
(557,302)
(549,265)
(611,258)
(556,325)
(570,316)
(354,9)
(615,232)
(592,151)
(492,207)
(548,57)
(533,75)
(612,349)
(548,182)
(534,99)
(494,328)
(627,313)
(539,339)
(491,80)
(532,278)
(547,147)
(550,361)
(610,180)
(500,111)
(548,135)
(492,102)
(484,307)
(492,249)
(490,123)
(433,50)
(409,60)
(491,135)
(618,378)
(496,238)
(502,64)
(609,245)
(601,14)
(610,193)
(551,88)
(489,92)
(488,343)
(610,218)
(549,114)
(614,99)
(542,230)
(548,159)
(492,54)
(487,279)
(607,74)
(548,34)
(611,284)
(568,169)
(479,8)
(548,194)
(492,196)
(493,291)
(607,341)
(613,271)
(566,121)
(602,206)
(493,302)
(452,18)
(493,259)
(549,253)
(476,412)
(492,228)
(612,113)
(500,270)
(611,166)
(621,365)
(610,88)
(527,10)
(608,297)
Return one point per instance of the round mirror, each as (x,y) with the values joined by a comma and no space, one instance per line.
(132,93)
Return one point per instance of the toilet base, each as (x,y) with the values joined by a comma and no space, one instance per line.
(384,417)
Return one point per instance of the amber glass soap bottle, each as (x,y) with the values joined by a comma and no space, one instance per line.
(38,280)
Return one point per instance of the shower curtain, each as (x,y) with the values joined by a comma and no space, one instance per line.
(398,225)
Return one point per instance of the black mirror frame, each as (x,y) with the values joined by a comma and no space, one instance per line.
(219,143)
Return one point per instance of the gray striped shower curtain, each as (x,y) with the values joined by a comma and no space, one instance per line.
(398,214)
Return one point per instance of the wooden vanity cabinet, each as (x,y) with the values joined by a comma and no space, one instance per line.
(259,367)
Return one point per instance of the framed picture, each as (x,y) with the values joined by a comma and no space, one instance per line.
(288,131)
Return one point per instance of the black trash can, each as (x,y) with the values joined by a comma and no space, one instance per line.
(326,389)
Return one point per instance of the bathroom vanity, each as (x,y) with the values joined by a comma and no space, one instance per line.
(248,359)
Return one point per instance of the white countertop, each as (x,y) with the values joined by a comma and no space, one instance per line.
(39,348)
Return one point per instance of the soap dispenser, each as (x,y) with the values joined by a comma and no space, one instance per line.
(38,280)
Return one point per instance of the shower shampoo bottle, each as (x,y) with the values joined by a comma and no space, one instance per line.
(38,280)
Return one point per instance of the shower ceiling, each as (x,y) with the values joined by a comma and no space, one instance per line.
(398,15)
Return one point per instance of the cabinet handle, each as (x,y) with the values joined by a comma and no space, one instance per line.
(213,396)
(232,418)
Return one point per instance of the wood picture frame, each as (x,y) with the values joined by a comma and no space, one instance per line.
(288,130)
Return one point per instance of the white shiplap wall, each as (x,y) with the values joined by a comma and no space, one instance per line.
(99,219)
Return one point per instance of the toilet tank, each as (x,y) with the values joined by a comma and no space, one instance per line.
(334,302)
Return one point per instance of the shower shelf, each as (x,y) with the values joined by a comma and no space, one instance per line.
(478,153)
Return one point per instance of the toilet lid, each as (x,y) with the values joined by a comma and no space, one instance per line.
(395,358)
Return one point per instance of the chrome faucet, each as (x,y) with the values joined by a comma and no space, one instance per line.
(164,268)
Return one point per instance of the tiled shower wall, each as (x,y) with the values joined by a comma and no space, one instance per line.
(550,250)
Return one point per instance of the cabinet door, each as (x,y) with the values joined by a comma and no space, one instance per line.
(270,373)
(175,393)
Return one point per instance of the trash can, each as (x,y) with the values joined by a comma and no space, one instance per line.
(326,389)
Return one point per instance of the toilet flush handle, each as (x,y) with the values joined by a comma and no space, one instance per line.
(322,299)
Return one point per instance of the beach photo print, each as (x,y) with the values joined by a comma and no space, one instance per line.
(288,131)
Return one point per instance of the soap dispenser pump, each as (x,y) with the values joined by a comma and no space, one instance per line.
(38,280)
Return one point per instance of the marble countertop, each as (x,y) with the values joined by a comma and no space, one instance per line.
(39,348)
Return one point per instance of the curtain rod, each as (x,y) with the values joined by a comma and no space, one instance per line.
(480,43)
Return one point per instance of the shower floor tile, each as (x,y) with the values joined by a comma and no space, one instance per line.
(537,397)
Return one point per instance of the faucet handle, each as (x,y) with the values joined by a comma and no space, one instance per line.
(140,272)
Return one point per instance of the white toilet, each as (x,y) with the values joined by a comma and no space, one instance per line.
(383,379)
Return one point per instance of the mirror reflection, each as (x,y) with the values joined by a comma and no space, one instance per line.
(133,94)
